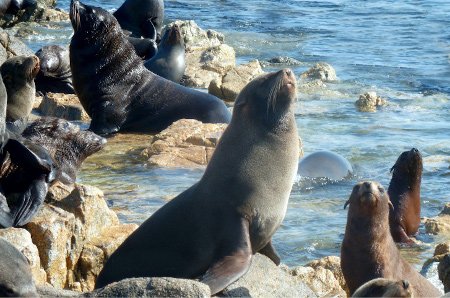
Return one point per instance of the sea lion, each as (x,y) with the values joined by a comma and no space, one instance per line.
(67,144)
(368,250)
(382,287)
(13,6)
(325,164)
(145,48)
(212,229)
(16,279)
(142,18)
(18,76)
(404,192)
(169,62)
(115,88)
(54,72)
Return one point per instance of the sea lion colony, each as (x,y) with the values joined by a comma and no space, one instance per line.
(257,154)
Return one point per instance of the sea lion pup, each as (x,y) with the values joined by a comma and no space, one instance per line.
(211,230)
(169,62)
(54,72)
(404,192)
(16,279)
(368,250)
(116,89)
(18,76)
(382,287)
(142,18)
(67,144)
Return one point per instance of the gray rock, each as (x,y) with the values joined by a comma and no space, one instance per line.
(281,61)
(49,291)
(153,287)
(11,46)
(265,279)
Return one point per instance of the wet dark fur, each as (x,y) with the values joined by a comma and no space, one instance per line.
(382,287)
(368,250)
(404,192)
(115,88)
(67,144)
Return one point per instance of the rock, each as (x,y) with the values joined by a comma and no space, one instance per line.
(21,239)
(281,61)
(52,230)
(97,251)
(153,287)
(203,66)
(442,248)
(265,279)
(42,11)
(66,106)
(369,101)
(58,191)
(444,270)
(49,291)
(323,276)
(229,86)
(185,143)
(321,71)
(11,46)
(197,38)
(439,224)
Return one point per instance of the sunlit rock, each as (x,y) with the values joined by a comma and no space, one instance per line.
(66,106)
(369,102)
(439,224)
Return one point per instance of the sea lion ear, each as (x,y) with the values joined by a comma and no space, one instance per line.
(390,205)
(346,203)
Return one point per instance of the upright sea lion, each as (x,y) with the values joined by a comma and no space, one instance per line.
(141,17)
(169,62)
(16,279)
(368,250)
(212,229)
(382,287)
(13,6)
(54,72)
(404,192)
(325,164)
(67,144)
(116,89)
(18,76)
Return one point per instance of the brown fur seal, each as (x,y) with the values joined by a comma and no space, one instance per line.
(382,287)
(116,89)
(211,230)
(67,144)
(16,279)
(368,250)
(404,192)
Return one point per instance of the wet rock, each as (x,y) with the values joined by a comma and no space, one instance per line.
(52,230)
(97,251)
(265,279)
(439,224)
(444,270)
(197,38)
(42,11)
(229,86)
(153,287)
(66,106)
(11,46)
(323,276)
(185,143)
(21,239)
(321,71)
(369,101)
(281,61)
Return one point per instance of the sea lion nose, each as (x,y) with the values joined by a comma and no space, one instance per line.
(415,150)
(405,284)
(287,71)
(366,185)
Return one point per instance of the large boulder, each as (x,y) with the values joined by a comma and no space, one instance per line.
(439,224)
(369,102)
(228,86)
(196,38)
(21,239)
(265,279)
(11,46)
(66,106)
(153,287)
(185,143)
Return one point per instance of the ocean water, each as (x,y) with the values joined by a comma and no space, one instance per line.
(400,49)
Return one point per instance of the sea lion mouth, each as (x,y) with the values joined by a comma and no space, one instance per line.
(284,88)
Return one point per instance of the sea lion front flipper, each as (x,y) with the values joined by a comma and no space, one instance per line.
(20,154)
(270,252)
(231,267)
(148,28)
(31,201)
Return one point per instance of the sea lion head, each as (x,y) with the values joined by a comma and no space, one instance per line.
(53,60)
(268,98)
(409,166)
(172,37)
(67,144)
(382,287)
(369,199)
(90,21)
(18,69)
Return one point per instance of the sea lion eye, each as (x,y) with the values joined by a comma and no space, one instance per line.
(380,189)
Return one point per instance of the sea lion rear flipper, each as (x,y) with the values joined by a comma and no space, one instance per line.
(270,252)
(31,201)
(231,267)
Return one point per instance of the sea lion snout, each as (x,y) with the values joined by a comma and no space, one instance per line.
(405,284)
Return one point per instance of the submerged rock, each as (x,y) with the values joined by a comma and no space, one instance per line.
(60,105)
(439,224)
(185,143)
(281,61)
(369,101)
(321,71)
(229,86)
